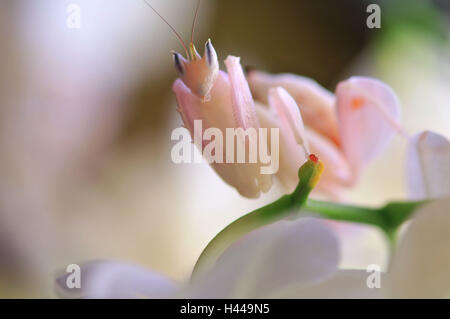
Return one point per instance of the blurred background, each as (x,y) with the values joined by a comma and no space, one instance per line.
(86,116)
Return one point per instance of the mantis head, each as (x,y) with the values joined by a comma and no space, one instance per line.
(198,73)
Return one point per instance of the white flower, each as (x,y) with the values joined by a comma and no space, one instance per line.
(420,267)
(286,259)
(428,166)
(109,279)
(292,259)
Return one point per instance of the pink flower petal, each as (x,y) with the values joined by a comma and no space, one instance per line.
(368,114)
(315,102)
(289,115)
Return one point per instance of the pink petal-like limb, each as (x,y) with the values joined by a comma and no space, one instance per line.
(293,148)
(110,279)
(316,103)
(244,112)
(368,114)
(230,106)
(243,104)
(337,170)
(289,159)
(428,166)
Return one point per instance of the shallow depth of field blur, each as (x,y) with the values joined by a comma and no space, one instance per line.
(86,116)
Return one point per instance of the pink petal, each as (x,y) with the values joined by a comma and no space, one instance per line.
(289,115)
(368,114)
(316,103)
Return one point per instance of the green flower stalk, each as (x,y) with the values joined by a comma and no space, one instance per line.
(309,175)
(297,204)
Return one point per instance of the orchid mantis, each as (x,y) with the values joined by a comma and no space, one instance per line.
(346,130)
(221,100)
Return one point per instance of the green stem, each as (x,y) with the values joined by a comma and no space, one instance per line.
(387,218)
(240,227)
(309,174)
(347,213)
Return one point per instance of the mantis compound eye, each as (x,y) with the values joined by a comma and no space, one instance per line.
(179,62)
(210,54)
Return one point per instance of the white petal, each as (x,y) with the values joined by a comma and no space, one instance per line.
(421,264)
(109,279)
(304,250)
(347,284)
(428,166)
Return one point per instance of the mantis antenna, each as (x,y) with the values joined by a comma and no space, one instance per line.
(194,21)
(170,26)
